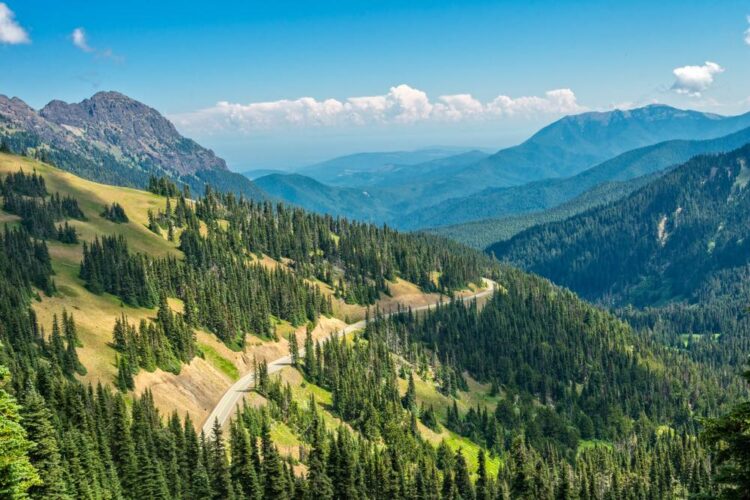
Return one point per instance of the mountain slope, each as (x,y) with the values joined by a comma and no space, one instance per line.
(312,195)
(543,195)
(482,233)
(668,241)
(574,143)
(113,138)
(550,375)
(472,185)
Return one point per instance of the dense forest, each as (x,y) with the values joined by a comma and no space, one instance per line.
(586,406)
(482,233)
(668,241)
(73,441)
(227,290)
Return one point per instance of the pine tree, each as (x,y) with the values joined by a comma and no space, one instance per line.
(121,445)
(482,484)
(243,469)
(57,345)
(293,349)
(310,360)
(463,480)
(410,398)
(221,481)
(521,482)
(45,455)
(318,483)
(274,483)
(71,362)
(17,474)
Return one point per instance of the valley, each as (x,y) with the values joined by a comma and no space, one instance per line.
(563,317)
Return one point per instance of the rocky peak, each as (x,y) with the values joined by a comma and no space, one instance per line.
(135,130)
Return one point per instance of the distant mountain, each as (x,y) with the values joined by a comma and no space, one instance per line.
(419,192)
(113,138)
(683,237)
(347,170)
(261,172)
(543,195)
(312,195)
(574,143)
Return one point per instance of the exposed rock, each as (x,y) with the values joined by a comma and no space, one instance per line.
(114,139)
(137,131)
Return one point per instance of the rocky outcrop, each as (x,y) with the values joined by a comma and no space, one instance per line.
(114,139)
(133,129)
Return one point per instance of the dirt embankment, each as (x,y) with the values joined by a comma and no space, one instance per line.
(200,384)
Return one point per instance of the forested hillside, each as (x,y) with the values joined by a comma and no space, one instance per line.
(668,241)
(533,394)
(482,233)
(549,194)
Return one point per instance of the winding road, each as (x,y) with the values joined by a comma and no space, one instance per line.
(234,394)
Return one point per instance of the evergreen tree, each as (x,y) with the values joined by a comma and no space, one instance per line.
(729,435)
(410,398)
(17,474)
(218,465)
(463,481)
(274,483)
(483,490)
(318,483)
(45,454)
(293,349)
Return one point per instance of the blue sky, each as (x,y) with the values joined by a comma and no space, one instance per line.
(468,73)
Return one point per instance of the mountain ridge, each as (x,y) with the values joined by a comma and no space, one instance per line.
(440,191)
(667,241)
(550,193)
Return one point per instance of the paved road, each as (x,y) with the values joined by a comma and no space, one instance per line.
(234,394)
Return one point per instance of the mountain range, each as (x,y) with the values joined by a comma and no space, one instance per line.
(213,328)
(553,166)
(546,194)
(682,237)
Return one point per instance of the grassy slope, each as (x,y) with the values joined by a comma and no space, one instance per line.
(193,388)
(95,314)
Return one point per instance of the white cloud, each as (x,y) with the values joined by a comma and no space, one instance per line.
(747,32)
(79,40)
(692,80)
(10,31)
(401,105)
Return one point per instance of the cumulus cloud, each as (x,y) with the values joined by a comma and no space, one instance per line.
(11,32)
(402,104)
(79,40)
(692,80)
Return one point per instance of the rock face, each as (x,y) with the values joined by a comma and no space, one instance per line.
(114,139)
(17,116)
(136,130)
